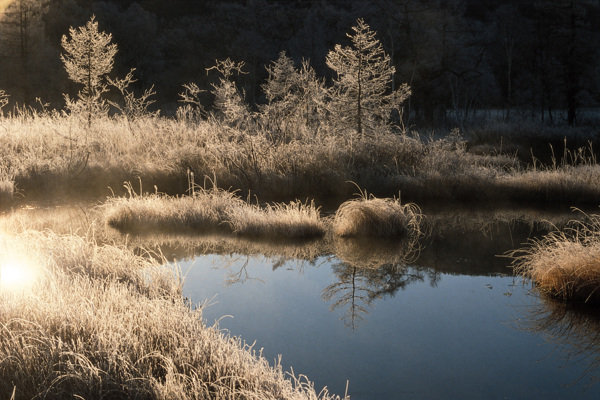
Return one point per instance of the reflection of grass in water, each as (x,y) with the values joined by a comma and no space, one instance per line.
(183,247)
(106,323)
(564,263)
(374,253)
(573,327)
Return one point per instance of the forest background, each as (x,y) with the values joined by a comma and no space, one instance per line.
(537,60)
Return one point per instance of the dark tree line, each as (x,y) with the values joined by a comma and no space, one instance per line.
(538,59)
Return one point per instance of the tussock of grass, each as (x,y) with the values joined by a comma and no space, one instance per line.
(103,323)
(214,209)
(373,217)
(206,210)
(564,264)
(292,220)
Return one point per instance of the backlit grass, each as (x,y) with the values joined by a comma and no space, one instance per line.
(212,210)
(55,157)
(565,263)
(291,220)
(204,211)
(373,217)
(102,323)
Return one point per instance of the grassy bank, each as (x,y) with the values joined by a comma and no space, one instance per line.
(564,264)
(99,322)
(53,156)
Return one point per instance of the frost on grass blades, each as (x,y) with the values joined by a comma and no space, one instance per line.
(565,263)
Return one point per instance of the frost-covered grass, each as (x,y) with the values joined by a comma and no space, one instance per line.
(53,156)
(100,322)
(565,263)
(205,211)
(290,220)
(369,216)
(213,210)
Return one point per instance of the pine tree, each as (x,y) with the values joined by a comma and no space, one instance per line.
(89,57)
(361,95)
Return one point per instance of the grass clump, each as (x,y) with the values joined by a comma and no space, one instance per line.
(213,209)
(205,210)
(373,217)
(565,263)
(291,220)
(102,323)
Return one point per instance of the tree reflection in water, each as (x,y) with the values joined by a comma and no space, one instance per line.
(368,270)
(574,330)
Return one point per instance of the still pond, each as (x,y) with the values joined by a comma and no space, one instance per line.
(448,321)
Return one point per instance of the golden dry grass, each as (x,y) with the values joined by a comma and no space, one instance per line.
(564,264)
(373,217)
(214,209)
(204,211)
(102,323)
(291,220)
(53,156)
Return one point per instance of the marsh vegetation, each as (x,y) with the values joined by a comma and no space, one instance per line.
(104,313)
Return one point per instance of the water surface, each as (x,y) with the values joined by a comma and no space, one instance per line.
(452,323)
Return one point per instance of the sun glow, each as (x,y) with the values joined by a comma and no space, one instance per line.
(16,274)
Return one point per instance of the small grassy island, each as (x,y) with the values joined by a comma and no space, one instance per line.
(565,264)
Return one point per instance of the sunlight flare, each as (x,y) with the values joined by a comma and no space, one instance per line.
(17,273)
